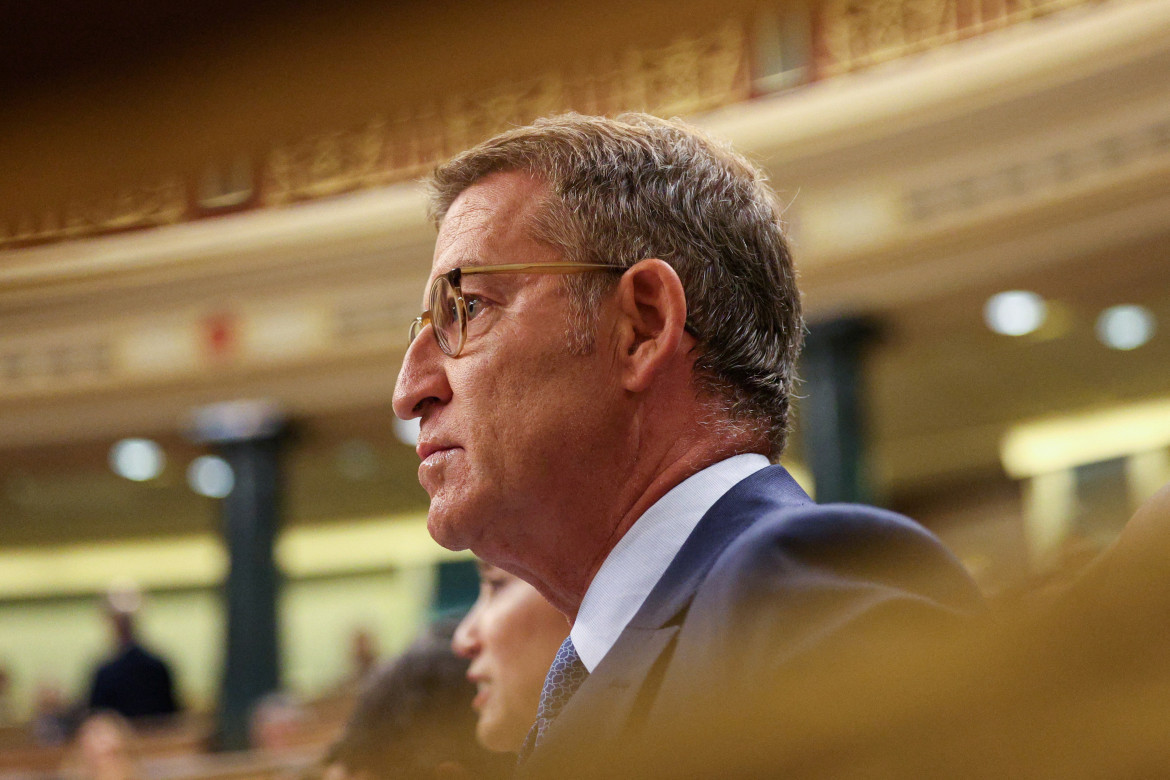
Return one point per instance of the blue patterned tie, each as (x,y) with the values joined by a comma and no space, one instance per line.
(564,678)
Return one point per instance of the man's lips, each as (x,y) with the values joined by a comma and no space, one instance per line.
(425,449)
(436,457)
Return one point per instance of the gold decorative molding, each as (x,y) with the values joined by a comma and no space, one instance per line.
(854,34)
(688,76)
(62,360)
(164,202)
(183,345)
(1141,147)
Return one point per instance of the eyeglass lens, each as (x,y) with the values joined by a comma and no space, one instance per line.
(445,316)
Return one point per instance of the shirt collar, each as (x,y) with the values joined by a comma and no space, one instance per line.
(639,559)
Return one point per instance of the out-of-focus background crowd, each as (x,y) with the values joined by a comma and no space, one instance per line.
(212,240)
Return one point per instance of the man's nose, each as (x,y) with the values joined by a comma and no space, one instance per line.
(422,378)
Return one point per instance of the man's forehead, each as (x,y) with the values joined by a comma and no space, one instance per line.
(496,209)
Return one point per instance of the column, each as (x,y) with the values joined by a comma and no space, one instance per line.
(248,435)
(832,418)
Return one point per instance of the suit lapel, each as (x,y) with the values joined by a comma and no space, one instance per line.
(766,490)
(601,709)
(614,685)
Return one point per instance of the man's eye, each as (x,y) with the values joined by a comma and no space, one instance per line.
(474,305)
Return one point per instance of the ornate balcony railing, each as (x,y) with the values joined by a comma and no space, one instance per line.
(739,60)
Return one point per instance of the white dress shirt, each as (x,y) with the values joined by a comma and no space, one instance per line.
(641,557)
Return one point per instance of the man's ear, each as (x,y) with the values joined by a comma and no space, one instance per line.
(652,318)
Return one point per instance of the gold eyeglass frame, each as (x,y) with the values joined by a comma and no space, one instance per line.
(453,277)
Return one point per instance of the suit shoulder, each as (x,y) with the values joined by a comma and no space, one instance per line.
(845,544)
(835,532)
(850,539)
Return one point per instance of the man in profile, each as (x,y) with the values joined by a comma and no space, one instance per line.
(602,374)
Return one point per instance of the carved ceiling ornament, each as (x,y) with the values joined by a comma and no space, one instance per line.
(164,202)
(689,75)
(855,34)
(685,77)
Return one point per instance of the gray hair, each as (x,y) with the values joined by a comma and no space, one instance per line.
(625,189)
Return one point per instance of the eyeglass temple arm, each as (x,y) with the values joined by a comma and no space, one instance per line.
(552,268)
(539,268)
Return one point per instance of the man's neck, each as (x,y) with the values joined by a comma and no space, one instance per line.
(643,482)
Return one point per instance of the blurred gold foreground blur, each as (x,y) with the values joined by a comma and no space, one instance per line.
(1072,683)
(207,201)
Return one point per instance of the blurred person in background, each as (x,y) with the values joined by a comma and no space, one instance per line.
(134,682)
(363,659)
(602,374)
(280,732)
(277,723)
(7,713)
(363,653)
(510,636)
(414,720)
(103,749)
(53,720)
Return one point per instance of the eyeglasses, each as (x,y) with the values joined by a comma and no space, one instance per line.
(449,313)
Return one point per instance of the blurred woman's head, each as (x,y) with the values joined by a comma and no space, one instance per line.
(414,720)
(105,749)
(510,636)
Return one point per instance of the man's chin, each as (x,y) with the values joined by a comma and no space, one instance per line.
(445,533)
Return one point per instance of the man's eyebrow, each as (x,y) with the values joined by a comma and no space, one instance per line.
(460,261)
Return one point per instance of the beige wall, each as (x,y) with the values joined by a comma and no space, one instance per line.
(378,573)
(60,640)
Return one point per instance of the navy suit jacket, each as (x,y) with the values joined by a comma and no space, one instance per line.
(766,581)
(135,683)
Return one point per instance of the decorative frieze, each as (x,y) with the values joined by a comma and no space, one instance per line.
(854,34)
(163,202)
(1022,179)
(183,345)
(689,75)
(61,363)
